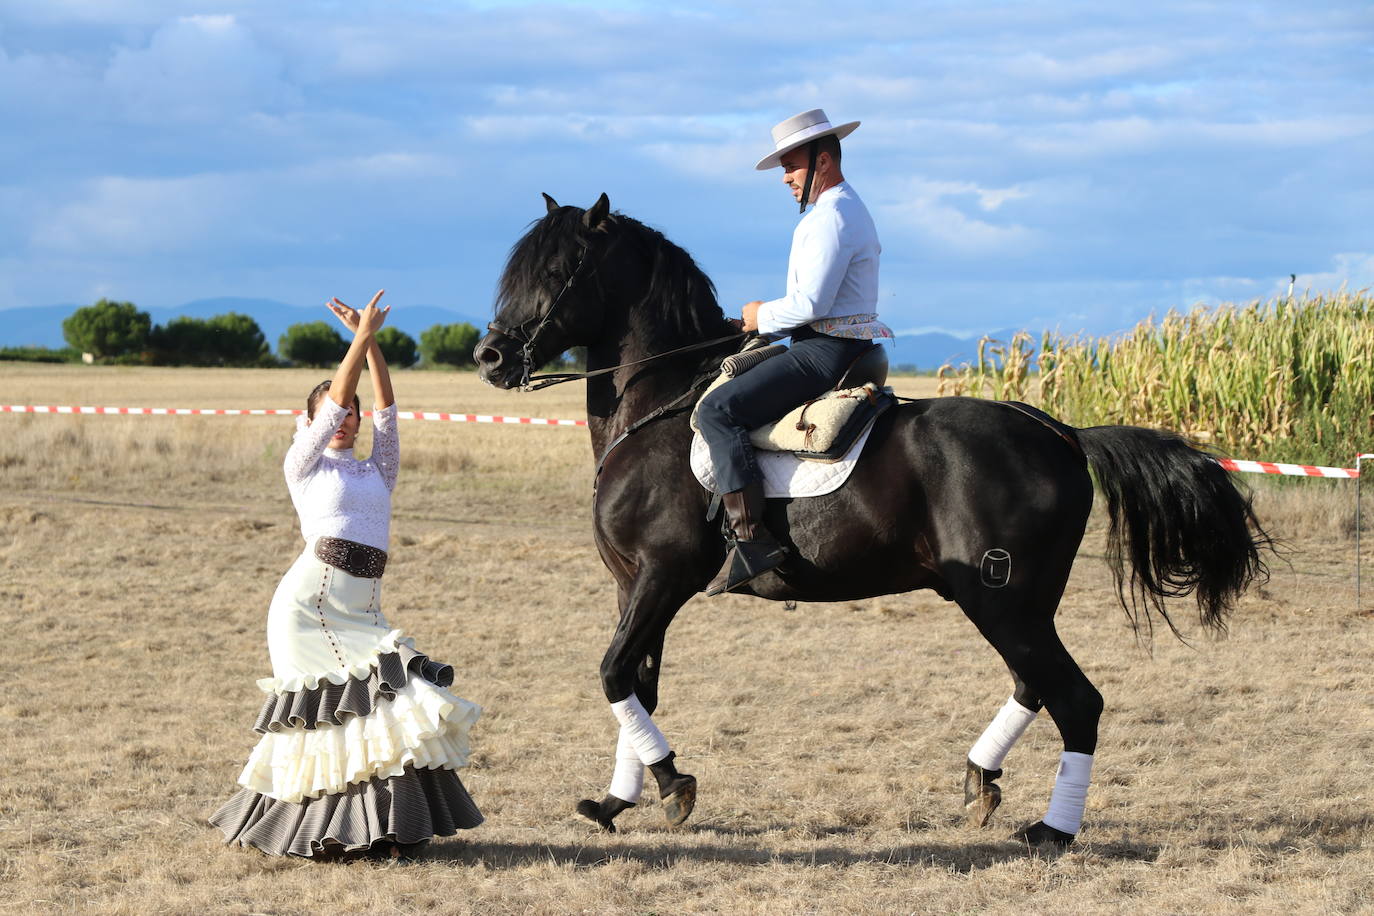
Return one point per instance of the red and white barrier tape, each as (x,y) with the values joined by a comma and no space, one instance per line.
(1291,470)
(286,412)
(1230,464)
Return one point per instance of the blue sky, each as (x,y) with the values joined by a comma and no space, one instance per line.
(1029,164)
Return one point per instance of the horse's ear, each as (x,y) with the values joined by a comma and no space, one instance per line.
(596,214)
(550,203)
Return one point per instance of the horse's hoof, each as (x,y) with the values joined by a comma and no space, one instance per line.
(978,810)
(680,800)
(981,794)
(1041,834)
(592,812)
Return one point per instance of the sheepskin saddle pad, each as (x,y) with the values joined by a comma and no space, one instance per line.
(822,429)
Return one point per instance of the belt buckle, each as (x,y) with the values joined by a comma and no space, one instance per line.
(358,559)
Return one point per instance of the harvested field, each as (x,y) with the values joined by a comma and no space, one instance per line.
(138,554)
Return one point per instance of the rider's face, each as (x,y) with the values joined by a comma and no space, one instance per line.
(794,171)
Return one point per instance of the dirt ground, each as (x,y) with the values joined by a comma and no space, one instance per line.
(138,554)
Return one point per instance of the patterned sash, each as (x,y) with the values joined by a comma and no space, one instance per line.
(863,326)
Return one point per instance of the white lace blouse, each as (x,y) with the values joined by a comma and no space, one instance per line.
(335,494)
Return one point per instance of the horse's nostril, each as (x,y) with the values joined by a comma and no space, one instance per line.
(487,356)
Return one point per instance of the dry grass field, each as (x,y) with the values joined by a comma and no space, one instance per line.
(138,554)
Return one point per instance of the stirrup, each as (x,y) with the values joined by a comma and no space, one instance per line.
(746,561)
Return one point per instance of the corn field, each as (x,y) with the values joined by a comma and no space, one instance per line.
(1286,380)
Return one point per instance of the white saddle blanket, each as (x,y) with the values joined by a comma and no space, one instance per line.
(784,474)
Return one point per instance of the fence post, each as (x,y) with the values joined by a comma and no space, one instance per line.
(1359,486)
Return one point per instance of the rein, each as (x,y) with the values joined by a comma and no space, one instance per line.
(558,378)
(680,403)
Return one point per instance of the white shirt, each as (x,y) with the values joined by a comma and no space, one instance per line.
(833,268)
(335,494)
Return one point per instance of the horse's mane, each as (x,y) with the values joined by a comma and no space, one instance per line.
(680,298)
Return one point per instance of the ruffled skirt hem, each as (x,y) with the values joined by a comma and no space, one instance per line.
(333,704)
(409,808)
(423,726)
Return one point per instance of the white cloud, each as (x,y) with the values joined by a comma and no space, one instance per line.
(127,216)
(928,209)
(1038,67)
(201,68)
(41,83)
(298,205)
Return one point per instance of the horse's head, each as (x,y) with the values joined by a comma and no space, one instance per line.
(549,297)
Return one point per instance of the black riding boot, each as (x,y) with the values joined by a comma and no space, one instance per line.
(753,551)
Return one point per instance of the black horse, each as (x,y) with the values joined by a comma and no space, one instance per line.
(982,501)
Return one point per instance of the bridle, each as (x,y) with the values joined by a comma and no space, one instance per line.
(527,340)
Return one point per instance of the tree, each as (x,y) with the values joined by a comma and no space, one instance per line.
(182,341)
(397,346)
(108,329)
(230,339)
(237,340)
(449,344)
(313,343)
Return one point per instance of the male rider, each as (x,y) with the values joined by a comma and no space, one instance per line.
(829,311)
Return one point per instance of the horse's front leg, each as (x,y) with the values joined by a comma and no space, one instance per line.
(629,677)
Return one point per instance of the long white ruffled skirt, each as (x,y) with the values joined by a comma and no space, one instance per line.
(361,739)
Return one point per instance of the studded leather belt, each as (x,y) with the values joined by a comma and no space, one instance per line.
(353,558)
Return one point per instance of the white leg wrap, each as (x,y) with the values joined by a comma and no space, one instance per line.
(1006,729)
(644,735)
(1070,792)
(627,782)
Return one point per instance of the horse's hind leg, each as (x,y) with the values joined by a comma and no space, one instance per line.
(1019,623)
(1038,656)
(982,795)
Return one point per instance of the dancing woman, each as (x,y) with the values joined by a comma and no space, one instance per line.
(361,739)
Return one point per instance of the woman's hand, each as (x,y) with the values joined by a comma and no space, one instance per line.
(369,320)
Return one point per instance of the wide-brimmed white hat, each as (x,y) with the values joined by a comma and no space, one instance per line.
(799,130)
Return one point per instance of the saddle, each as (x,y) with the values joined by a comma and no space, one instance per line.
(822,429)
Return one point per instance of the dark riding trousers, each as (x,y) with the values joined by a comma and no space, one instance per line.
(810,367)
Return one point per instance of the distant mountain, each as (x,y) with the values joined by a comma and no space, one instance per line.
(929,351)
(41,326)
(34,326)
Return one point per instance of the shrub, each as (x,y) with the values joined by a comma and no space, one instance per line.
(40,354)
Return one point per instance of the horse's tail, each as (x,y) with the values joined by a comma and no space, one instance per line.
(1176,513)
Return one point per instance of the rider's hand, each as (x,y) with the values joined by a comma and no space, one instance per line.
(751,315)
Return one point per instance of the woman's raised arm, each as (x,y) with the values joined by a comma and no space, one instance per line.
(383,396)
(364,324)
